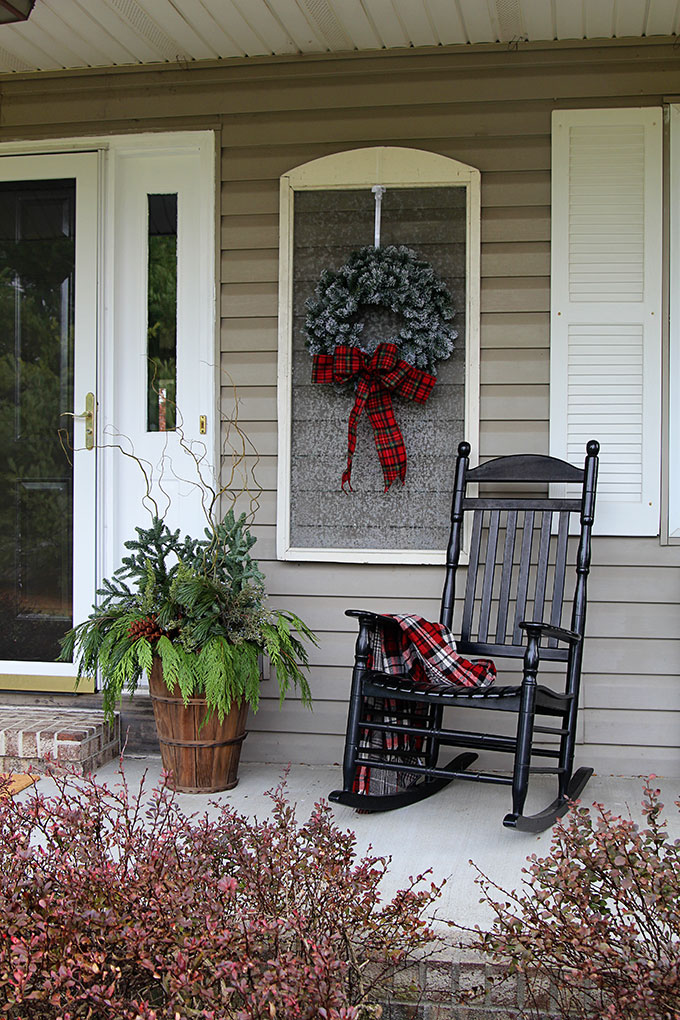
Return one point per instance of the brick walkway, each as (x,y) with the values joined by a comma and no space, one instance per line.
(79,738)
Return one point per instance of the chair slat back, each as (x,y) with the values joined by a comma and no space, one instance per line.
(517,571)
(518,553)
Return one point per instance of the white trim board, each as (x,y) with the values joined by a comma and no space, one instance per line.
(674,310)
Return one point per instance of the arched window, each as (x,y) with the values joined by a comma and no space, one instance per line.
(429,204)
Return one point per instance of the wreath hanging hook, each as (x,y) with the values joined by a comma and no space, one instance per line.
(378,191)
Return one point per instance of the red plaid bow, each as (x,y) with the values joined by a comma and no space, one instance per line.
(380,375)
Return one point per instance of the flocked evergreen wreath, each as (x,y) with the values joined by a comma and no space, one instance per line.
(396,279)
(403,365)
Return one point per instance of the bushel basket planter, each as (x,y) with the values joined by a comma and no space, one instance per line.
(203,755)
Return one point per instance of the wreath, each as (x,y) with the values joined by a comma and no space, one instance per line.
(402,365)
(395,278)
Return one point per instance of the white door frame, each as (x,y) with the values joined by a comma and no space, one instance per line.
(94,552)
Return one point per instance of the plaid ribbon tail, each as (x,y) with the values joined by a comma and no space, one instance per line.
(389,441)
(352,433)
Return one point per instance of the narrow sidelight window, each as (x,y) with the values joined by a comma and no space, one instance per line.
(162,313)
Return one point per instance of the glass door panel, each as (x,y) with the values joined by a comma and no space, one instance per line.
(37,270)
(47,361)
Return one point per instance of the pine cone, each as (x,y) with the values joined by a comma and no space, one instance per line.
(147,628)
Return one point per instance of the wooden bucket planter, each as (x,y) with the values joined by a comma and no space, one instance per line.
(202,759)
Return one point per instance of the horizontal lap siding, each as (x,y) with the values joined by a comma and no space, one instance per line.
(485,106)
(631,644)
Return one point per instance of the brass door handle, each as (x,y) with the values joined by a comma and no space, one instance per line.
(89,417)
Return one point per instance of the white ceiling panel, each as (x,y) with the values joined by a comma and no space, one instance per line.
(569,19)
(77,13)
(358,26)
(189,24)
(43,42)
(477,20)
(69,36)
(209,27)
(663,17)
(237,33)
(101,33)
(28,51)
(388,23)
(268,28)
(307,37)
(447,21)
(538,19)
(107,15)
(416,21)
(599,19)
(630,18)
(148,29)
(12,62)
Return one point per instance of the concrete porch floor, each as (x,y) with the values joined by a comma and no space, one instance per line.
(461,823)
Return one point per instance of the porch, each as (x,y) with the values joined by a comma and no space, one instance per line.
(444,834)
(447,833)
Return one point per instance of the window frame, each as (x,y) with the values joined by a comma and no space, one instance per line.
(393,167)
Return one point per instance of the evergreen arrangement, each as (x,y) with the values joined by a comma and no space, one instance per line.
(197,604)
(394,278)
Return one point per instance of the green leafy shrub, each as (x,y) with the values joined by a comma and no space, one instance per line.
(117,906)
(200,606)
(596,929)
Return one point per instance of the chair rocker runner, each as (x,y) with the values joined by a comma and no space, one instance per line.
(511,608)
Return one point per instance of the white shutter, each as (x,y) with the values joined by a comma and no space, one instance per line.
(605,378)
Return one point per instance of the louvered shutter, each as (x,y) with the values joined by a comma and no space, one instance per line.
(605,378)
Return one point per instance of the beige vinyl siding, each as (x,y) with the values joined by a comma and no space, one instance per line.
(515,305)
(486,106)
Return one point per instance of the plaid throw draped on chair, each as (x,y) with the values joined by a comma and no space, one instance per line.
(411,646)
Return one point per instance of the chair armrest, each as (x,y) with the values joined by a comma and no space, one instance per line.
(548,630)
(366,618)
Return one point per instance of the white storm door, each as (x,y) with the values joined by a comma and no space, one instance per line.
(160,402)
(48,342)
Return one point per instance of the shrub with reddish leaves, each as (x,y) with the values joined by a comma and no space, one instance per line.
(596,930)
(117,906)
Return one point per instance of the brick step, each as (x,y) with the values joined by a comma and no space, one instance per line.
(79,738)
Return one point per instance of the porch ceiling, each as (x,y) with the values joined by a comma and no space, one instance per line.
(64,34)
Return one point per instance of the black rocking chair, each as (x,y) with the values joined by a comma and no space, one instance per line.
(513,601)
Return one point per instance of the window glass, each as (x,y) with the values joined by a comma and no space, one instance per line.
(162,313)
(37,267)
(330,224)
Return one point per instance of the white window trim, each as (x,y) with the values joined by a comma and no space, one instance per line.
(674,330)
(362,168)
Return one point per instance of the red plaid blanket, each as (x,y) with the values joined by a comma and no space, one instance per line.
(426,652)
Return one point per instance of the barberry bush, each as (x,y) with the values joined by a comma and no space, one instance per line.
(115,905)
(595,931)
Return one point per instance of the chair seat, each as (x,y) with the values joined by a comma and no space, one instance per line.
(381,685)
